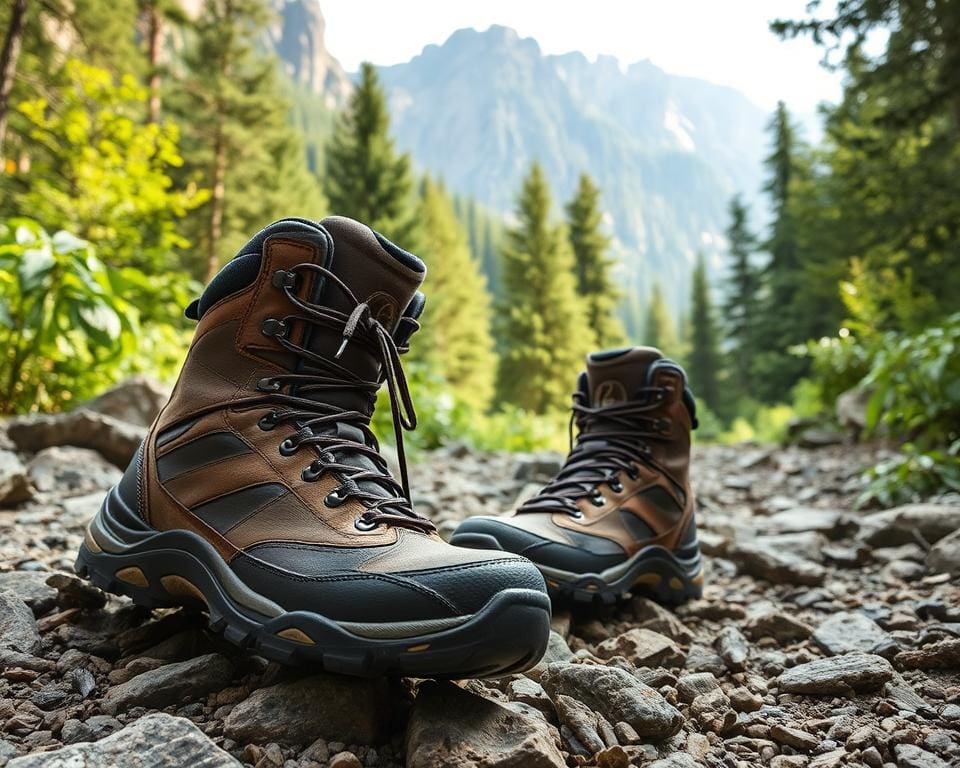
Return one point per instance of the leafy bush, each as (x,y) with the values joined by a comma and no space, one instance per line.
(70,327)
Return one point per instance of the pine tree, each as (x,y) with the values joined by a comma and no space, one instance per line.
(366,178)
(703,364)
(458,341)
(542,334)
(741,307)
(659,330)
(237,133)
(593,267)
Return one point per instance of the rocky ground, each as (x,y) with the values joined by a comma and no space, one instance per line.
(826,637)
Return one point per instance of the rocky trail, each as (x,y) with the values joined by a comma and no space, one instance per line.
(826,636)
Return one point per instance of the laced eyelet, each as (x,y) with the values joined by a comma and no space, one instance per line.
(616,486)
(287,447)
(311,473)
(576,514)
(273,327)
(283,278)
(268,422)
(633,473)
(597,500)
(334,499)
(268,385)
(364,525)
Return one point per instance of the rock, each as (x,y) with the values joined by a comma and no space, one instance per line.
(14,483)
(453,728)
(942,655)
(32,588)
(70,471)
(113,439)
(557,650)
(911,756)
(733,648)
(154,741)
(612,757)
(615,694)
(691,686)
(700,658)
(837,675)
(817,437)
(76,593)
(581,721)
(18,628)
(793,737)
(137,401)
(851,409)
(83,682)
(170,684)
(538,467)
(901,525)
(643,648)
(744,700)
(904,698)
(846,632)
(776,566)
(678,760)
(345,760)
(651,615)
(781,626)
(298,711)
(834,523)
(944,556)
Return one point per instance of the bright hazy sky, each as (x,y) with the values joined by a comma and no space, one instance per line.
(724,42)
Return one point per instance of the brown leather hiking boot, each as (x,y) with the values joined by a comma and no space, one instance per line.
(619,516)
(260,495)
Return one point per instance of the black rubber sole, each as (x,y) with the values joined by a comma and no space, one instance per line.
(179,568)
(654,571)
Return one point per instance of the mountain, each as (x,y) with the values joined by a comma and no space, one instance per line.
(667,151)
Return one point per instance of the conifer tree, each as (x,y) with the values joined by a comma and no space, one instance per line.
(237,134)
(659,330)
(741,306)
(458,341)
(365,177)
(592,264)
(703,364)
(543,335)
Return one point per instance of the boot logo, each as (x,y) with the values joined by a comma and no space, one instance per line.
(383,309)
(609,392)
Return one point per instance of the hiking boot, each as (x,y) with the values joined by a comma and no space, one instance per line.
(619,516)
(260,495)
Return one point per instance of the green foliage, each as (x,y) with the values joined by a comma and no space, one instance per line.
(456,337)
(659,330)
(543,336)
(703,361)
(67,327)
(741,308)
(98,171)
(912,475)
(593,265)
(365,177)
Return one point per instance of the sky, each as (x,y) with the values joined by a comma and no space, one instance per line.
(728,43)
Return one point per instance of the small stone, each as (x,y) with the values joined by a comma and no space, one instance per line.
(651,615)
(678,760)
(298,711)
(643,648)
(846,632)
(612,757)
(942,655)
(170,684)
(782,627)
(581,721)
(18,628)
(793,737)
(615,694)
(76,593)
(452,728)
(775,565)
(83,682)
(902,524)
(912,756)
(14,483)
(345,760)
(700,658)
(837,675)
(872,757)
(733,648)
(557,650)
(71,471)
(744,700)
(944,556)
(31,587)
(156,741)
(691,686)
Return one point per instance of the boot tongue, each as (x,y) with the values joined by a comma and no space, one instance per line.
(615,375)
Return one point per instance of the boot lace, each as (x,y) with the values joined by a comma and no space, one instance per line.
(319,424)
(611,439)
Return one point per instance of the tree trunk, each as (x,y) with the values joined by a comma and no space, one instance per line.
(154,42)
(216,202)
(8,64)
